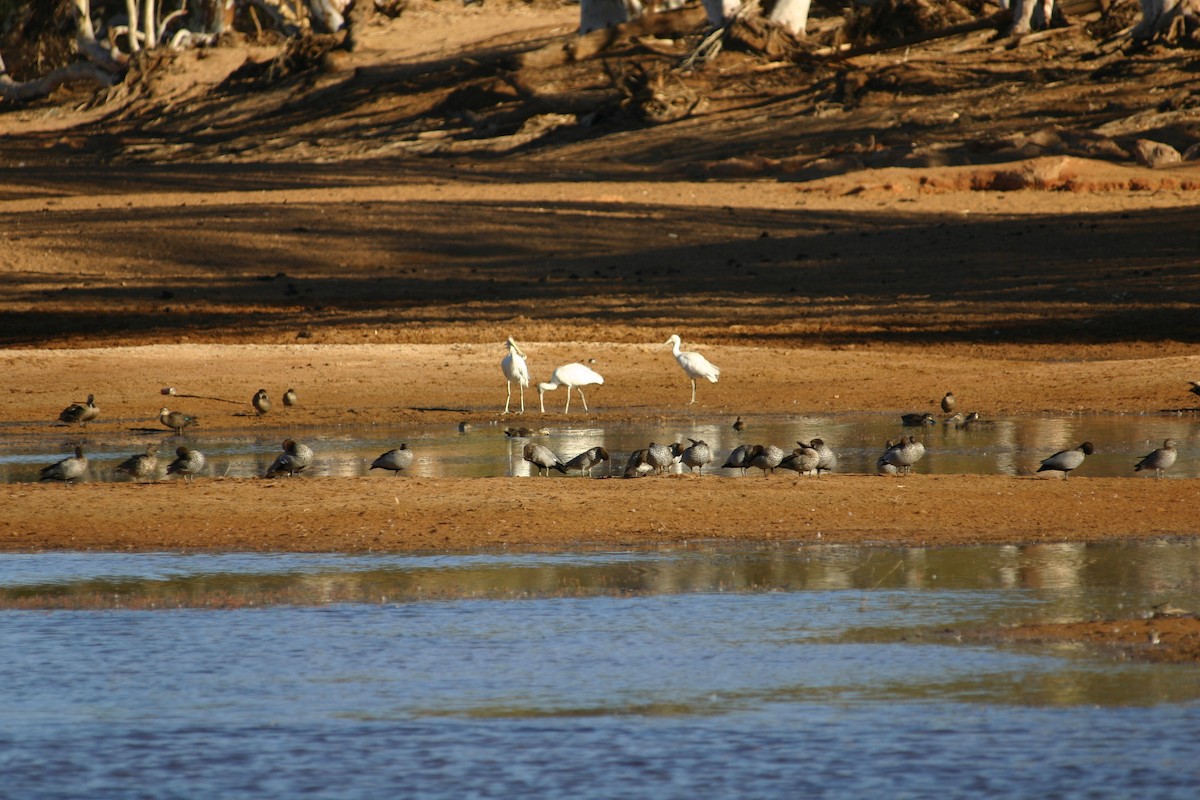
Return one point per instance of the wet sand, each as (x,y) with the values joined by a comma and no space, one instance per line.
(420,514)
(441,384)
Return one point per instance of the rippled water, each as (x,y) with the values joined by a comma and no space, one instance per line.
(776,671)
(999,446)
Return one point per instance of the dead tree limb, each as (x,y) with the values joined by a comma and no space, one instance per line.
(997,21)
(24,91)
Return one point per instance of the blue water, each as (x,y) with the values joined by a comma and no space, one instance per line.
(772,672)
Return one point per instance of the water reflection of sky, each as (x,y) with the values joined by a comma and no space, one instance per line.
(766,671)
(1007,446)
(1065,580)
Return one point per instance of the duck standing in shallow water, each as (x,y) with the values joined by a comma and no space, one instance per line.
(697,456)
(588,459)
(828,459)
(187,463)
(660,456)
(1159,460)
(81,413)
(141,467)
(176,420)
(395,460)
(740,457)
(804,459)
(67,470)
(543,458)
(917,420)
(295,458)
(882,465)
(1066,460)
(767,457)
(905,454)
(638,464)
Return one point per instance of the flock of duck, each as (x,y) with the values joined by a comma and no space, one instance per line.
(189,462)
(813,458)
(809,458)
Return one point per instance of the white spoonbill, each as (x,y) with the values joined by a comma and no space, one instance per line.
(514,368)
(694,364)
(572,376)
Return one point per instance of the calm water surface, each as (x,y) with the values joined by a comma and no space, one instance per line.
(711,672)
(999,446)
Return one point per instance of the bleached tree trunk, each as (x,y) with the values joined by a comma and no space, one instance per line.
(131,11)
(282,17)
(1031,14)
(83,19)
(1159,15)
(214,16)
(85,38)
(22,91)
(328,13)
(597,14)
(792,15)
(149,23)
(721,11)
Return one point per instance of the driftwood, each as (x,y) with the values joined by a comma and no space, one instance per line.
(1172,21)
(996,21)
(24,91)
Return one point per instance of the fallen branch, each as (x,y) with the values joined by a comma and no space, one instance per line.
(24,91)
(997,21)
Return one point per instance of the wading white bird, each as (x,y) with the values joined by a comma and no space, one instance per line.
(572,376)
(515,369)
(695,365)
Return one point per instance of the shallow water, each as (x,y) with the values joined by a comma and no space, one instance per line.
(1000,446)
(700,671)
